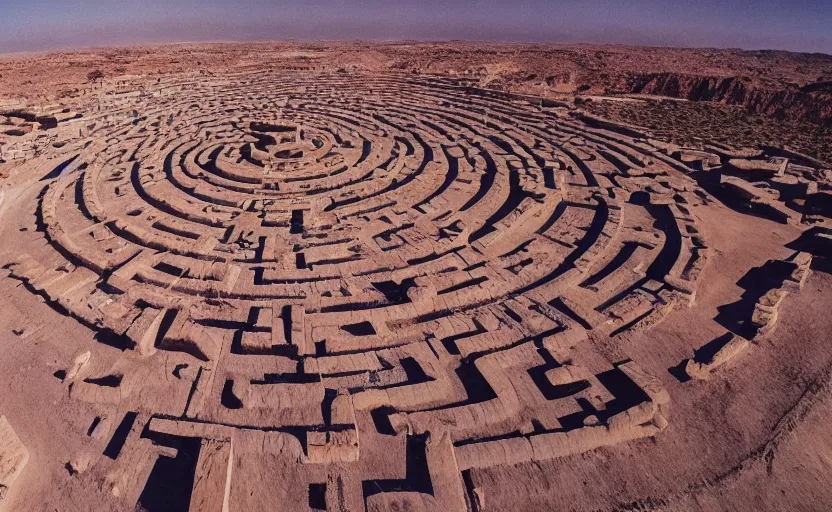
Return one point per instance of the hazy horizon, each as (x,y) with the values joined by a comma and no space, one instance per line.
(39,25)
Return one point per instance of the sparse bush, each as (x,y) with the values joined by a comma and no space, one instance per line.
(95,76)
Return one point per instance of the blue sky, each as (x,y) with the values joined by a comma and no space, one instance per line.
(47,24)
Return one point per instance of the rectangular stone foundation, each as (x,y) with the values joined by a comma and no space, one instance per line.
(13,457)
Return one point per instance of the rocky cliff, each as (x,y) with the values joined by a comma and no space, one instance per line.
(812,102)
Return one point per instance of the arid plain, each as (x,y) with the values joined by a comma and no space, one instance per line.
(412,276)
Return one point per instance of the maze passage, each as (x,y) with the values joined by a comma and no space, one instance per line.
(358,289)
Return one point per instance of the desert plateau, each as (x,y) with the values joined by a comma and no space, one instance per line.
(411,276)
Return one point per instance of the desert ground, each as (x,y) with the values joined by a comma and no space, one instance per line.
(415,277)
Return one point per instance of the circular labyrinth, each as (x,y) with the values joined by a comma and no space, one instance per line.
(372,287)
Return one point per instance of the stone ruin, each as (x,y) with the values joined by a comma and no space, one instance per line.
(370,286)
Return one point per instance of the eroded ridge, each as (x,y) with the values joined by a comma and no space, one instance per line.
(369,285)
